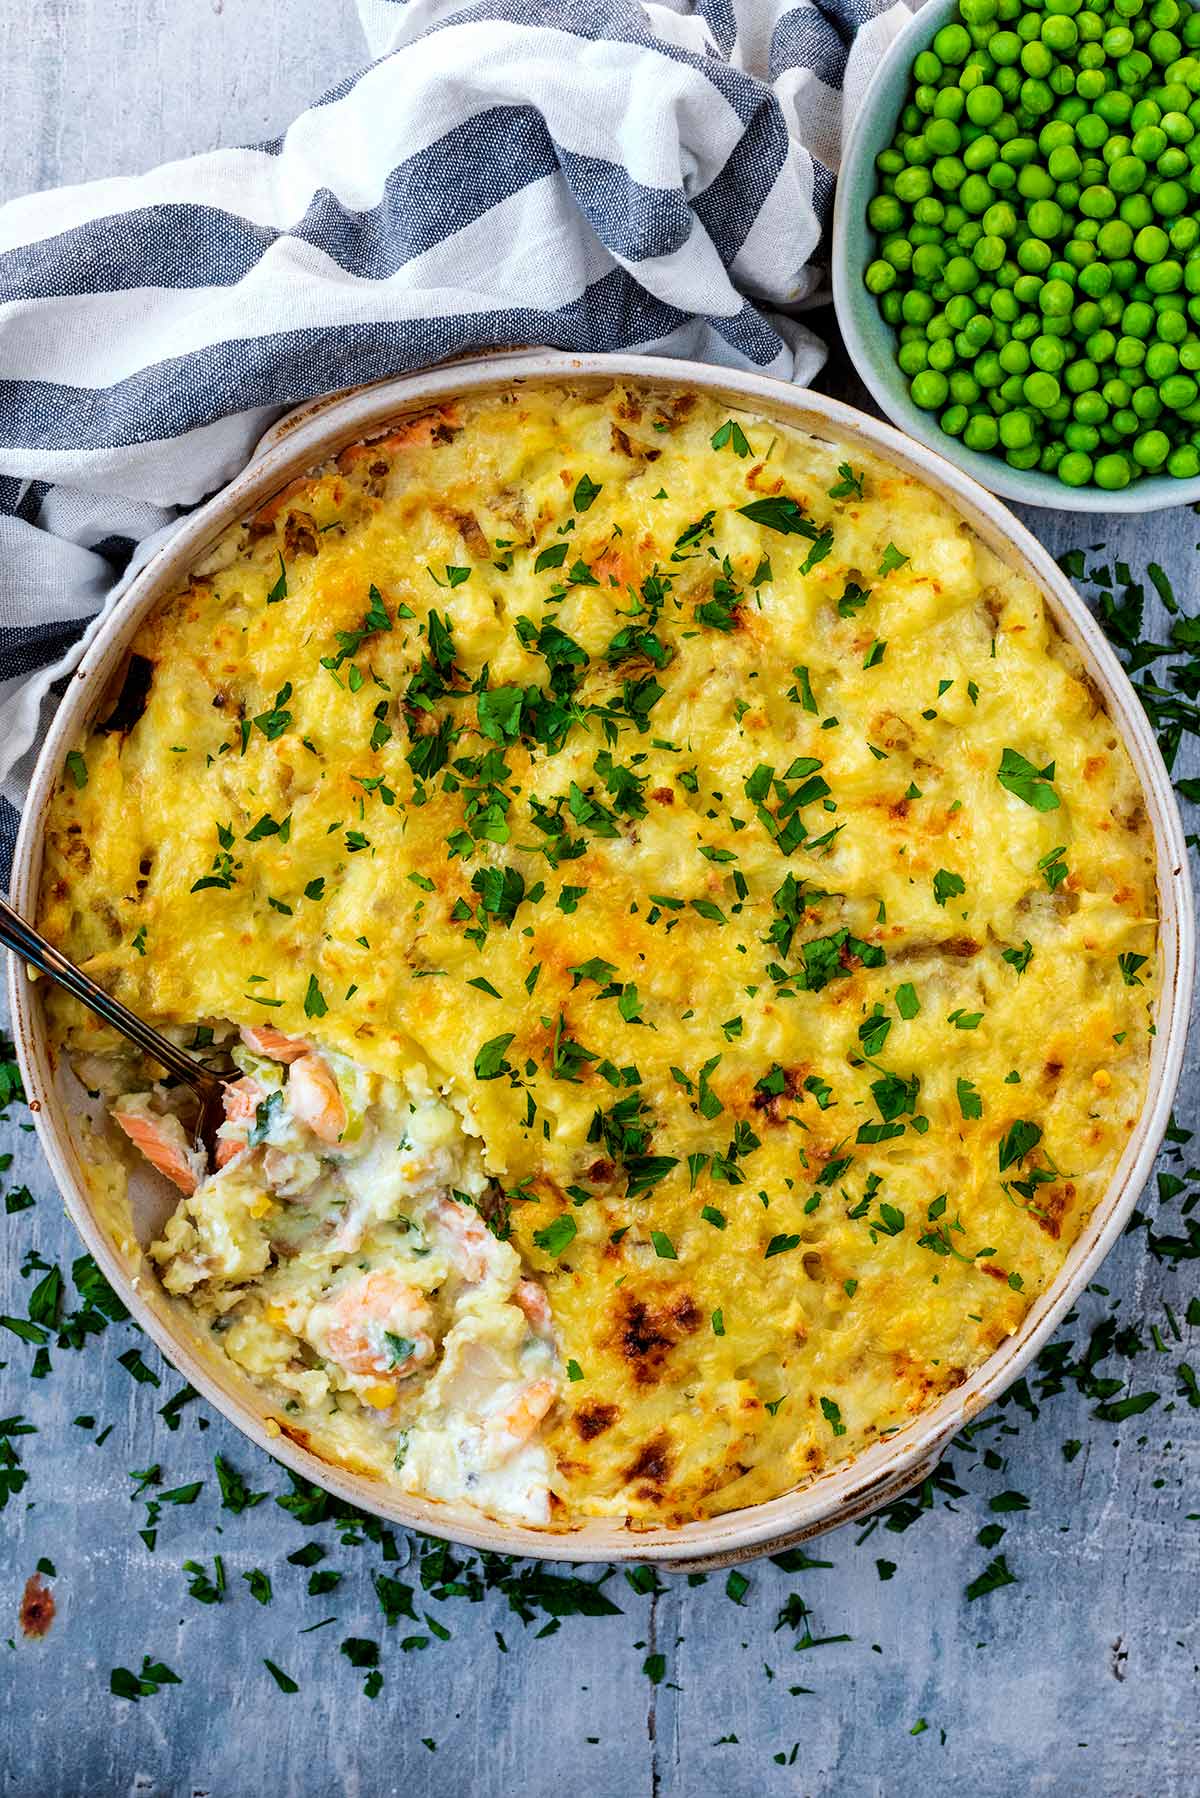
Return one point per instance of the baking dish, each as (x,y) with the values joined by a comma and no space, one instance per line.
(62,1111)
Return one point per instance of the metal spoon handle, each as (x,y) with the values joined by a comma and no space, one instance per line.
(29,947)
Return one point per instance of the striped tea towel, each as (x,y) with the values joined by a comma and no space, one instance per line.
(617,174)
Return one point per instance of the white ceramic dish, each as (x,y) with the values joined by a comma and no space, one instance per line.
(61,1109)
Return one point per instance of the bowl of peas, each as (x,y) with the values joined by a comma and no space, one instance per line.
(1016,255)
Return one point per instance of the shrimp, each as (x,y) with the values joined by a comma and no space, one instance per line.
(264,1039)
(512,1425)
(314,1098)
(161,1140)
(533,1302)
(380,1326)
(469,1236)
(241,1099)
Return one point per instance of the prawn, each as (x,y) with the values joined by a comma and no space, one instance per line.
(314,1098)
(510,1426)
(380,1325)
(532,1300)
(469,1236)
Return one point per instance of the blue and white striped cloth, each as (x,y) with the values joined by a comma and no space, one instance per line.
(612,175)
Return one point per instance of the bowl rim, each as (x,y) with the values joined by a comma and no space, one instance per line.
(850,251)
(886,1468)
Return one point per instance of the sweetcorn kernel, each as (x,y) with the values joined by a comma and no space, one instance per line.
(381,1394)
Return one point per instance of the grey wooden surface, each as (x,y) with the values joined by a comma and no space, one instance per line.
(1079,1678)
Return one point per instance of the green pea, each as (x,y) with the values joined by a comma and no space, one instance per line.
(1016,430)
(1036,97)
(1036,59)
(1114,240)
(1151,244)
(1130,352)
(880,276)
(1064,163)
(1151,449)
(1034,182)
(1162,359)
(953,420)
(927,67)
(1178,391)
(984,104)
(1095,280)
(1164,46)
(916,308)
(1041,390)
(1184,462)
(943,136)
(975,196)
(1047,353)
(1056,299)
(980,153)
(913,356)
(1091,409)
(1125,175)
(982,433)
(1000,220)
(988,253)
(1097,203)
(885,213)
(1112,472)
(1060,34)
(952,44)
(927,262)
(1172,164)
(959,274)
(960,310)
(1164,277)
(929,389)
(1114,107)
(1116,392)
(1137,320)
(1081,437)
(1091,131)
(1081,375)
(1075,469)
(913,184)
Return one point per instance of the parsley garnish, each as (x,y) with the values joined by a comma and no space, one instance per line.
(1031,784)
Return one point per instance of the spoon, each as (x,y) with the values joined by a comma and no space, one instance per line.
(25,943)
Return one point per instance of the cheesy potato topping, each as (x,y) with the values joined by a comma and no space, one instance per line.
(677,843)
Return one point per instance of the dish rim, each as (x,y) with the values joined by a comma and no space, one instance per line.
(851,241)
(303,442)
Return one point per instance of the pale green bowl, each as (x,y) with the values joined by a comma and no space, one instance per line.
(871,342)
